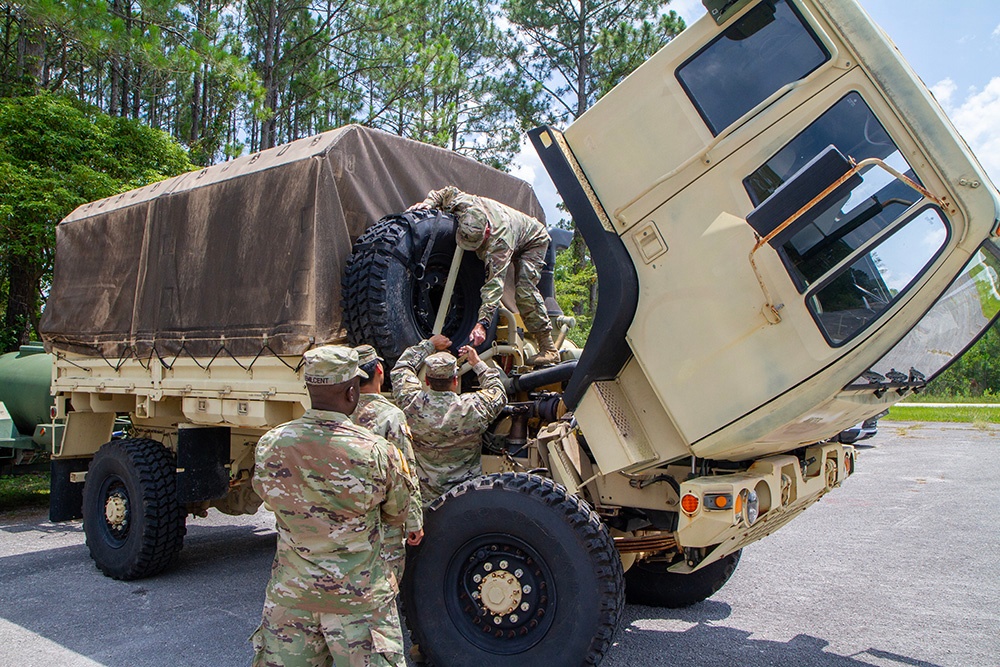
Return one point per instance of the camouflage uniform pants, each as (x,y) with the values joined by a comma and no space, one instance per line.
(528,265)
(298,638)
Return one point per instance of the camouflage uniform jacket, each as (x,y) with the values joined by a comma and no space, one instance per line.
(377,414)
(447,427)
(511,232)
(331,485)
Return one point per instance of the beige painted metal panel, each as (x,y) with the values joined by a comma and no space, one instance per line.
(734,380)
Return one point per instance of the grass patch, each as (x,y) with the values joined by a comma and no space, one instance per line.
(24,490)
(924,397)
(910,412)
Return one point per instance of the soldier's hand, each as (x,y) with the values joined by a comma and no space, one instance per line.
(414,538)
(440,342)
(470,353)
(478,335)
(419,206)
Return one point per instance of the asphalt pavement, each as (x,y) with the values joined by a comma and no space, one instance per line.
(899,568)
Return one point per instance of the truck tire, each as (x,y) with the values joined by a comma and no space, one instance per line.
(650,583)
(394,280)
(541,556)
(133,522)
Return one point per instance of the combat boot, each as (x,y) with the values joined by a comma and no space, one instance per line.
(547,352)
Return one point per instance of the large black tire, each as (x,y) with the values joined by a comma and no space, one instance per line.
(394,280)
(650,583)
(541,556)
(133,522)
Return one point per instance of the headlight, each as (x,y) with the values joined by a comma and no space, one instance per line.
(750,505)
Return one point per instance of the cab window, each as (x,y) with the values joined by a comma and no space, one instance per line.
(852,297)
(769,47)
(853,254)
(823,238)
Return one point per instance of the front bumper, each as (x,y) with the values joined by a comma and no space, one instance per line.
(783,485)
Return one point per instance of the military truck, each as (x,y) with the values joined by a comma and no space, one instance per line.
(789,237)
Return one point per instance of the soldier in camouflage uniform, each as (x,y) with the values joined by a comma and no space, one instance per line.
(382,418)
(500,235)
(447,426)
(331,485)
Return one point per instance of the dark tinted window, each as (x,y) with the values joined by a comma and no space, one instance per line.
(769,47)
(849,125)
(825,236)
(859,292)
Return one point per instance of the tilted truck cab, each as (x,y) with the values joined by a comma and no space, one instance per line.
(798,238)
(789,237)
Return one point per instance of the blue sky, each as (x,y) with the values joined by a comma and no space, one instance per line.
(954,46)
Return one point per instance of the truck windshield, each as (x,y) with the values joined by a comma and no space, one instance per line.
(769,47)
(969,306)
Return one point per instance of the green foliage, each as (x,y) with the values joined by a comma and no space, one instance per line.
(976,374)
(56,154)
(575,52)
(573,289)
(624,46)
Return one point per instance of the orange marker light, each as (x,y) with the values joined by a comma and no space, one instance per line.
(721,502)
(738,505)
(690,503)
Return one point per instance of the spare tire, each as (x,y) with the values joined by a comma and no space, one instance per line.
(395,278)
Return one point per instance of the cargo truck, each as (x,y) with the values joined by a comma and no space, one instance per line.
(789,236)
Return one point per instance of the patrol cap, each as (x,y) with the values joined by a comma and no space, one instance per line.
(367,354)
(441,366)
(331,364)
(471,227)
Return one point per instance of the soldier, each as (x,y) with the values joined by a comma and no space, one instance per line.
(331,485)
(447,426)
(382,418)
(500,235)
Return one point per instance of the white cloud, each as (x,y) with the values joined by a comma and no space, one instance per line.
(943,90)
(977,118)
(996,31)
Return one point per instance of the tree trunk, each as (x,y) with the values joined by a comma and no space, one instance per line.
(30,54)
(194,133)
(268,126)
(22,299)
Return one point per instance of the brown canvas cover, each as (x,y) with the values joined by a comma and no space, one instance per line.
(244,257)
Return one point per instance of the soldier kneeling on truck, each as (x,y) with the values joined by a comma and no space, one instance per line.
(499,235)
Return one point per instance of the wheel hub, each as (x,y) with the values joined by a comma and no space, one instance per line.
(505,595)
(500,592)
(116,511)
